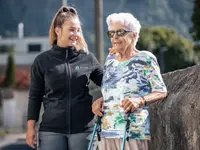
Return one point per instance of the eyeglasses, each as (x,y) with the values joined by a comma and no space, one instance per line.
(120,32)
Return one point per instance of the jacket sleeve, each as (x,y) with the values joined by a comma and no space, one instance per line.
(36,91)
(96,75)
(97,72)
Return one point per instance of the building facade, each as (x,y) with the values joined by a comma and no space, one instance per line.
(25,50)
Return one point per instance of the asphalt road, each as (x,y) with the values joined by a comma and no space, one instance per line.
(16,147)
(20,144)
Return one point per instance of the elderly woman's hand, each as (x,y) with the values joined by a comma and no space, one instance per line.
(131,104)
(97,107)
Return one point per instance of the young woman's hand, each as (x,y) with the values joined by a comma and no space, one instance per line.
(31,137)
(112,51)
(97,107)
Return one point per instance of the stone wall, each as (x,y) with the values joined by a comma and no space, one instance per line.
(175,121)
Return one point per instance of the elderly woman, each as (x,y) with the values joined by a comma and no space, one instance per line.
(131,81)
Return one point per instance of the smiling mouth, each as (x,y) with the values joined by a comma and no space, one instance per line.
(74,40)
(117,43)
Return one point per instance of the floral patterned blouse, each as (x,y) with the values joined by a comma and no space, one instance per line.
(136,77)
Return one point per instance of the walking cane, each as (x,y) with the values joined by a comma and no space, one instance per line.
(97,128)
(126,131)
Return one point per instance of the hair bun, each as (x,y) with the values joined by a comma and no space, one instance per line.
(65,9)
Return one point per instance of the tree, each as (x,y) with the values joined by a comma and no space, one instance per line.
(179,52)
(195,30)
(10,72)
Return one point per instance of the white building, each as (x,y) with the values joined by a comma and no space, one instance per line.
(25,48)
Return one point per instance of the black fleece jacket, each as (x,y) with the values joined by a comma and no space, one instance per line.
(59,79)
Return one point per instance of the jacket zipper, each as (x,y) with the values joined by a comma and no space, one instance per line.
(68,103)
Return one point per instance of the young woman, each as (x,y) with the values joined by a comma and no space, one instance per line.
(59,79)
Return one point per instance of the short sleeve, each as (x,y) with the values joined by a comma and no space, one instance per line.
(154,76)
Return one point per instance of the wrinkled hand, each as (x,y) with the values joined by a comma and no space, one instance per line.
(31,137)
(97,107)
(131,104)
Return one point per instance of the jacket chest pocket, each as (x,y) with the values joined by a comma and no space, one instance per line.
(55,77)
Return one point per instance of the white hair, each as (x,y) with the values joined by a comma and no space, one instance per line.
(128,20)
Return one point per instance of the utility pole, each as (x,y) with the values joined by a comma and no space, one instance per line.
(99,44)
(162,59)
(64,2)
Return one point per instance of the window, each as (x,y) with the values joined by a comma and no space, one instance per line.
(34,48)
(6,48)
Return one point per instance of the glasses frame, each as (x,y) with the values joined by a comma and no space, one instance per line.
(120,32)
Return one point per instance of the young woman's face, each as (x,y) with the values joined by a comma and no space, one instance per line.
(69,33)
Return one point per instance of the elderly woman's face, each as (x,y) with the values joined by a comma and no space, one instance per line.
(120,37)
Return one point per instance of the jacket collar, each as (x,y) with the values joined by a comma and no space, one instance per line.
(68,52)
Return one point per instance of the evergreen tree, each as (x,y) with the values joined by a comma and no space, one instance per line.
(178,52)
(10,72)
(195,30)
